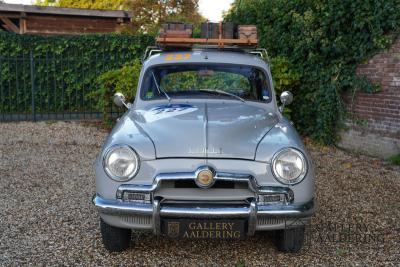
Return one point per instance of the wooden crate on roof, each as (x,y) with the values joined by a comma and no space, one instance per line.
(176,30)
(177,35)
(247,31)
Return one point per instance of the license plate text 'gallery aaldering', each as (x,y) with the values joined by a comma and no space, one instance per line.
(207,229)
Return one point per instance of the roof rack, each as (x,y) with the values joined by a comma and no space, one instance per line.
(150,50)
(170,41)
(260,52)
(177,37)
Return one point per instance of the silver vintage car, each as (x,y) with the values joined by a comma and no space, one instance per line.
(204,152)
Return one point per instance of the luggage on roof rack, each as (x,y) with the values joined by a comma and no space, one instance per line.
(247,32)
(217,34)
(221,30)
(176,30)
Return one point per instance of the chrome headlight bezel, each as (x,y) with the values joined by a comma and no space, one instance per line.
(303,171)
(107,170)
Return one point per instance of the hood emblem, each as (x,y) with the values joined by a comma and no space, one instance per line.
(203,151)
(205,178)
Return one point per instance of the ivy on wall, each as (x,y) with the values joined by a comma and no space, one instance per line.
(315,48)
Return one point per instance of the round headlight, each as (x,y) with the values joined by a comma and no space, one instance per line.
(121,163)
(289,166)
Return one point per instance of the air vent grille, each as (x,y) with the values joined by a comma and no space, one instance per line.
(137,220)
(269,221)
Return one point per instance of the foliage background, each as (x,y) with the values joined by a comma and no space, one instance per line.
(67,73)
(123,80)
(315,47)
(91,4)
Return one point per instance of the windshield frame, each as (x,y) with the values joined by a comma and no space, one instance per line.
(150,69)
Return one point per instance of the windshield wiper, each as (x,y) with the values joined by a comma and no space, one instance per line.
(160,90)
(222,93)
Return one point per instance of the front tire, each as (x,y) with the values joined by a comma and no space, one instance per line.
(114,239)
(290,240)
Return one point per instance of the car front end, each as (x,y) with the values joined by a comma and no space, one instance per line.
(201,166)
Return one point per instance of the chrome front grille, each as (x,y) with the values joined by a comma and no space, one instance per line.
(198,194)
(227,187)
(187,190)
(217,184)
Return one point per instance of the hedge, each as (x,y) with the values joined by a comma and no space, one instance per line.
(62,71)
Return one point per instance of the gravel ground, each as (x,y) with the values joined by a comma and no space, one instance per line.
(46,216)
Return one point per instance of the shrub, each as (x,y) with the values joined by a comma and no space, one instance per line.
(124,80)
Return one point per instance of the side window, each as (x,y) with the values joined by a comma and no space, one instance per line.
(264,85)
(148,86)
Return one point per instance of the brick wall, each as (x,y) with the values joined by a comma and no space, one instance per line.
(378,113)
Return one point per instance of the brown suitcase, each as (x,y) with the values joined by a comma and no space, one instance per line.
(247,32)
(176,30)
(224,30)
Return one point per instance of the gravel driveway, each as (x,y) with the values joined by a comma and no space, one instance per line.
(46,216)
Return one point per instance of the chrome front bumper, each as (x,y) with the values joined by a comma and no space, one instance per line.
(158,210)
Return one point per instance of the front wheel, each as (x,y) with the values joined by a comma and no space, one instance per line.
(290,240)
(114,238)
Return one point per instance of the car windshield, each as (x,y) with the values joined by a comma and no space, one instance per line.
(236,82)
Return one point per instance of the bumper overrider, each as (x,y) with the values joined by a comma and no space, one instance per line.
(251,210)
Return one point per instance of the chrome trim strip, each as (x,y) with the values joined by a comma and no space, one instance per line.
(205,128)
(252,218)
(156,217)
(199,211)
(291,210)
(156,182)
(108,206)
(219,176)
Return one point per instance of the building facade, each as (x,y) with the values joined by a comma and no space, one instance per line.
(24,19)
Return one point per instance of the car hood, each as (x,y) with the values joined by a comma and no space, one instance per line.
(205,130)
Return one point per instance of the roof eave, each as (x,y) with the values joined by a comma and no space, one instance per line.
(65,11)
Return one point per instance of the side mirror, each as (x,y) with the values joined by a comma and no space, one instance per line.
(286,99)
(119,100)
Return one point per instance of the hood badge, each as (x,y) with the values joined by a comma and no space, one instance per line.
(205,177)
(203,150)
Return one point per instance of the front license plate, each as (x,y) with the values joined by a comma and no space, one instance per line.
(204,229)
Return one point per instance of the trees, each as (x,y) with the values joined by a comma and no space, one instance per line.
(148,14)
(92,4)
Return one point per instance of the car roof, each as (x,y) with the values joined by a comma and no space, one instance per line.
(204,56)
